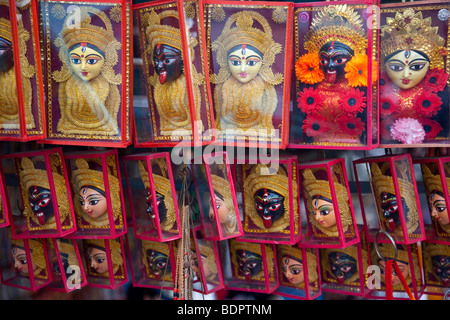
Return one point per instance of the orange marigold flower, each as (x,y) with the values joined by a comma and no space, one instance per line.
(356,71)
(307,69)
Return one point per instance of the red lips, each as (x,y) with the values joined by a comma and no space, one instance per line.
(406,81)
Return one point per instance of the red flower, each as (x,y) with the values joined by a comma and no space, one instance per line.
(436,79)
(353,101)
(315,125)
(352,126)
(428,104)
(388,106)
(310,101)
(431,127)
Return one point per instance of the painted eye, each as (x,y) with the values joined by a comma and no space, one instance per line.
(23,261)
(346,269)
(252,63)
(252,265)
(259,207)
(91,61)
(417,67)
(325,212)
(393,209)
(323,62)
(440,209)
(161,265)
(396,67)
(340,60)
(100,260)
(295,272)
(43,202)
(274,206)
(75,61)
(82,202)
(235,63)
(94,202)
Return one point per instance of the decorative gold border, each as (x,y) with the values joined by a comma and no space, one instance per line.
(152,107)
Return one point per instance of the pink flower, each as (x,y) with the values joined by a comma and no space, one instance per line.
(408,131)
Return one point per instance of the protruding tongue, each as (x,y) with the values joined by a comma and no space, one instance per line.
(392,224)
(163,77)
(340,280)
(247,276)
(331,77)
(267,222)
(446,282)
(41,218)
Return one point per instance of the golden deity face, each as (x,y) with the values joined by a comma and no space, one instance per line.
(407,68)
(244,62)
(438,208)
(93,201)
(20,260)
(324,211)
(98,260)
(86,62)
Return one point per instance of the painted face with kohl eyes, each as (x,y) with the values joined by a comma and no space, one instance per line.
(292,269)
(87,63)
(323,211)
(162,210)
(41,204)
(20,261)
(333,58)
(158,263)
(441,267)
(269,205)
(407,68)
(168,62)
(92,202)
(221,208)
(249,263)
(438,208)
(389,206)
(244,63)
(342,266)
(404,269)
(98,260)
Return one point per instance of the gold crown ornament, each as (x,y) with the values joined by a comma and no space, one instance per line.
(163,186)
(29,177)
(312,187)
(83,176)
(336,23)
(409,30)
(278,182)
(296,252)
(384,183)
